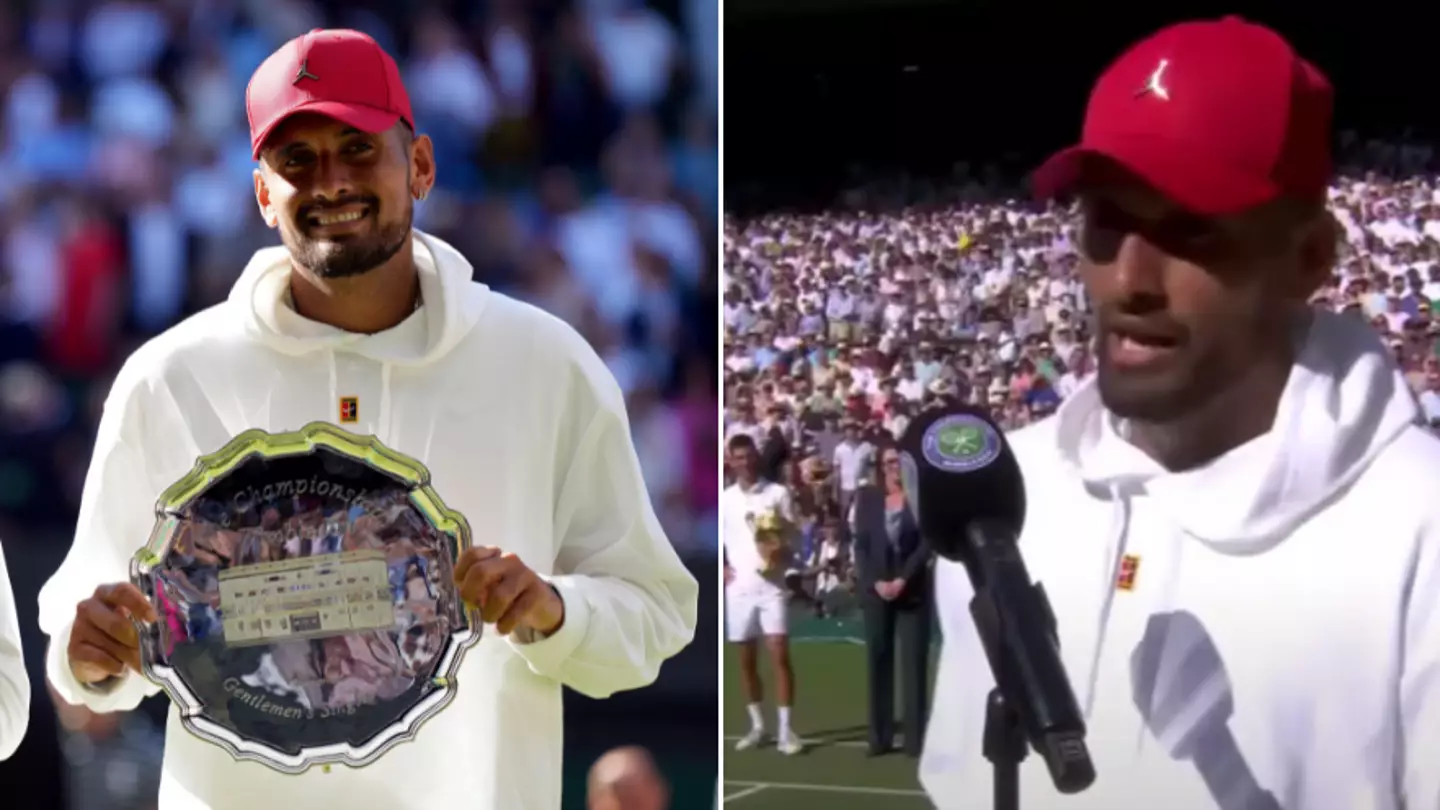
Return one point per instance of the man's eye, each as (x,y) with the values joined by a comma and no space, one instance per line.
(299,159)
(359,148)
(1191,229)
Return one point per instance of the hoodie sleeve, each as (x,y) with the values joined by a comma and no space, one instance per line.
(629,601)
(117,513)
(953,770)
(14,683)
(1420,681)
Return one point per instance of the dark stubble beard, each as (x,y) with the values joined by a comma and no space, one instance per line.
(348,257)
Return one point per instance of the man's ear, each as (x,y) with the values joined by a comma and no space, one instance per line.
(262,199)
(422,166)
(1319,249)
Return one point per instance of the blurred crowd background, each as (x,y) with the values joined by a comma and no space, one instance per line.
(576,142)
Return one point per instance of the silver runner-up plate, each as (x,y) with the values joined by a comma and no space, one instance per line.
(308,612)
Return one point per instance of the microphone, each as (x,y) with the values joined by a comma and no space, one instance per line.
(966,491)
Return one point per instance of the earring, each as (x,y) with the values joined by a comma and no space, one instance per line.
(422,194)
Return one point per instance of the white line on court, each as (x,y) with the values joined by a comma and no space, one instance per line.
(828,639)
(828,743)
(740,794)
(873,791)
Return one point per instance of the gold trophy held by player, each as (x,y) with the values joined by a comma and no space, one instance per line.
(774,536)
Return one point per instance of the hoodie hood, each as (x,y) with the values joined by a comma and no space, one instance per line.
(1344,403)
(451,305)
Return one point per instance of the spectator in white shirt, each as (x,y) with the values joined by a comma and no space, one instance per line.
(853,457)
(1430,397)
(1079,369)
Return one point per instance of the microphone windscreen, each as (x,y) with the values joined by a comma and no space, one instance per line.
(958,470)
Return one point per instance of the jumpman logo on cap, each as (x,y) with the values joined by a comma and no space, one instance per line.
(304,73)
(1155,85)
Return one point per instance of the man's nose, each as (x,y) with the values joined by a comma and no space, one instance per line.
(1137,267)
(332,179)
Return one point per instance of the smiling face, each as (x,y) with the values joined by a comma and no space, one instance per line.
(341,198)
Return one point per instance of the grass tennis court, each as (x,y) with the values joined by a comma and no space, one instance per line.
(833,773)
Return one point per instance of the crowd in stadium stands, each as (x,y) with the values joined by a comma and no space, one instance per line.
(840,326)
(576,145)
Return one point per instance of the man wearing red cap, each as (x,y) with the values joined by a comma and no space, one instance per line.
(363,321)
(1235,520)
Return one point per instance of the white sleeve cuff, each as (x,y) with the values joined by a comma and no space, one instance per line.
(107,696)
(546,656)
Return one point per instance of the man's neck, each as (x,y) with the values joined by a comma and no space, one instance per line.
(365,304)
(1229,420)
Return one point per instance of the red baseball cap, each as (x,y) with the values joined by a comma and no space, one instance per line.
(1219,116)
(340,73)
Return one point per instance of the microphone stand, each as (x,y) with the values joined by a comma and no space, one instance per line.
(1004,743)
(1005,747)
(1007,739)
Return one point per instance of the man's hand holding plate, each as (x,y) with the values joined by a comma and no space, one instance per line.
(103,640)
(508,594)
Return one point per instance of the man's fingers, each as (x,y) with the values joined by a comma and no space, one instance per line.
(108,623)
(518,610)
(482,576)
(102,655)
(105,640)
(500,585)
(502,595)
(127,596)
(470,558)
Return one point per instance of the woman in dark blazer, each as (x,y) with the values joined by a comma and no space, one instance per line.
(893,570)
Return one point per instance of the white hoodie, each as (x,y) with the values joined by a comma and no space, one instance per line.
(524,432)
(1280,647)
(14,683)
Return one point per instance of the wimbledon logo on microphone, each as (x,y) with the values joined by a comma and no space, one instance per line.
(960,443)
